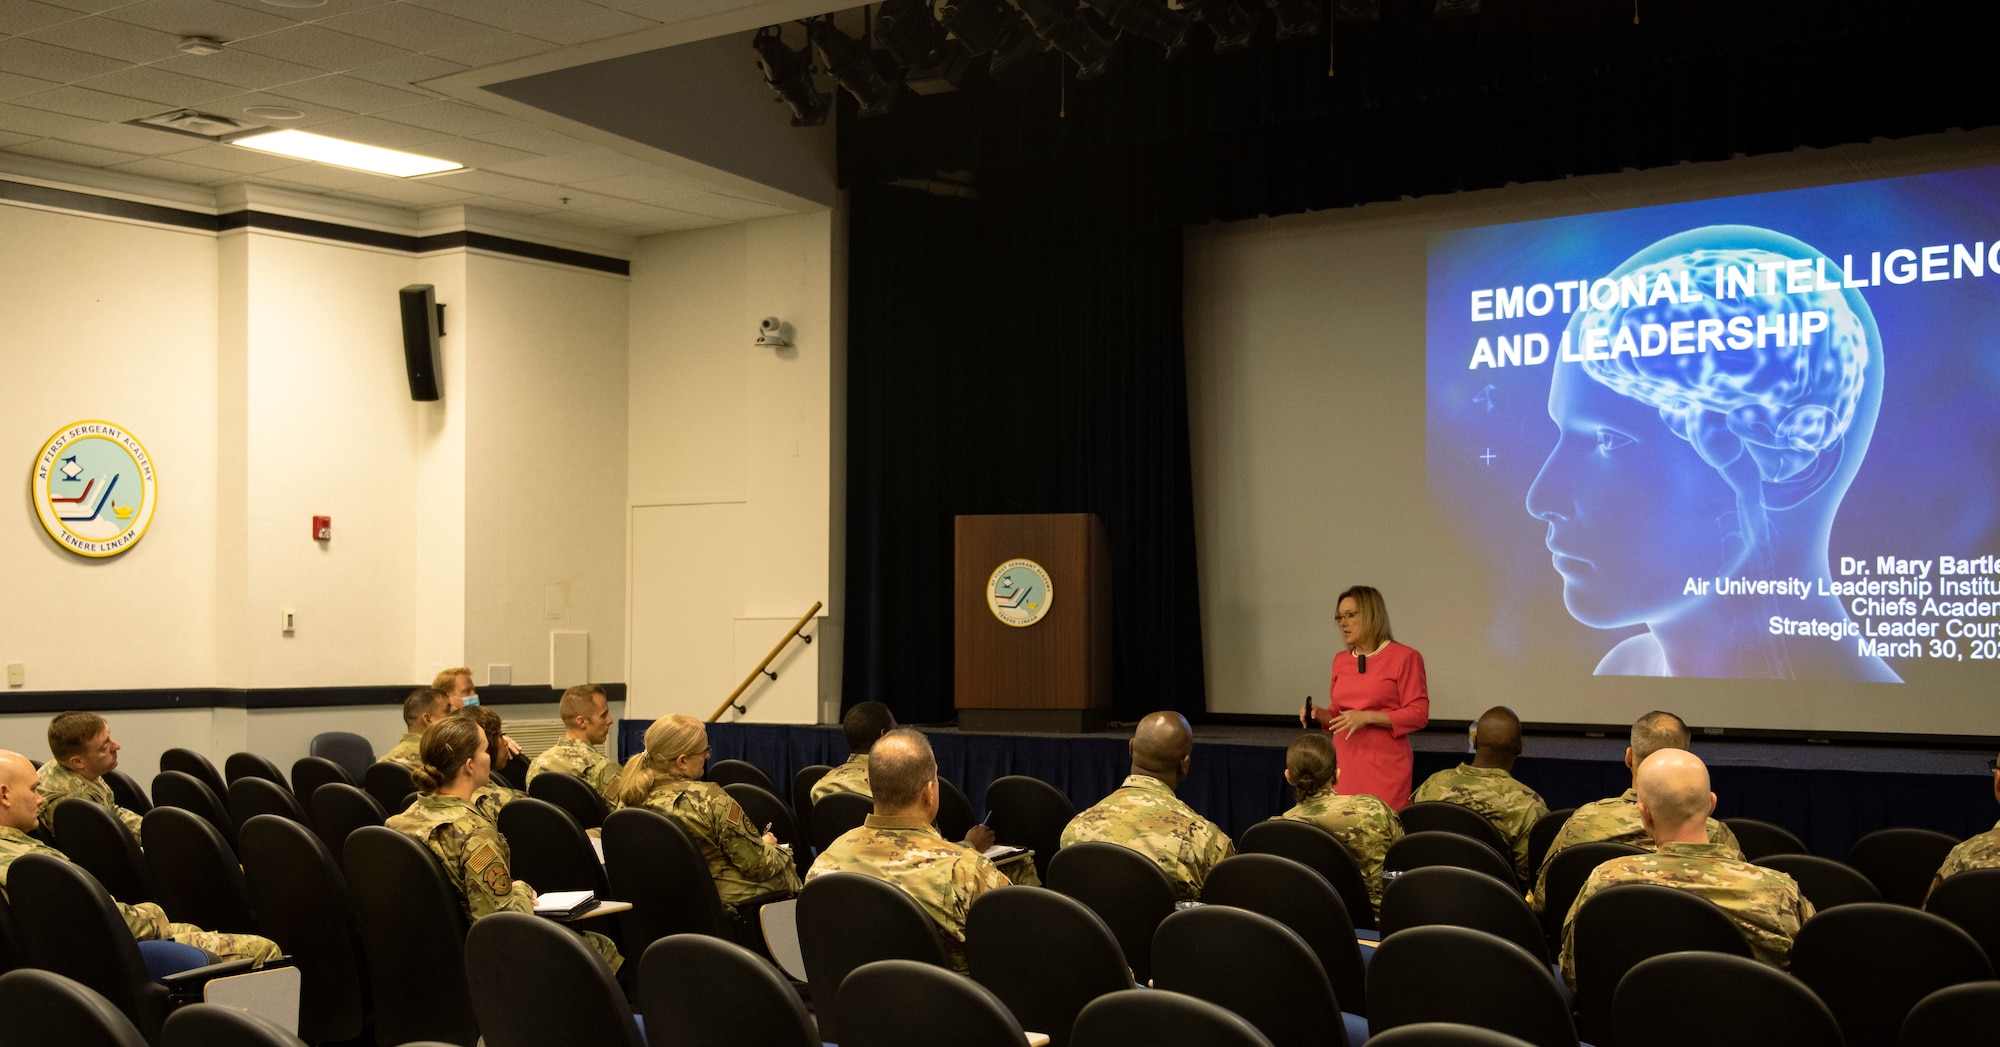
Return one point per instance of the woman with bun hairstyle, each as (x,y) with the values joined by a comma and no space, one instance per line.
(1362,823)
(453,765)
(745,860)
(492,796)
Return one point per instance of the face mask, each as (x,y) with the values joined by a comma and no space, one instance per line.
(472,699)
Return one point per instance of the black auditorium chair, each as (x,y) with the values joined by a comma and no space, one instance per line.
(301,900)
(251,765)
(697,989)
(550,851)
(127,792)
(836,814)
(730,772)
(337,810)
(1620,926)
(252,796)
(762,807)
(1421,849)
(802,784)
(95,839)
(1028,812)
(503,779)
(1825,882)
(214,1025)
(1873,962)
(185,791)
(311,772)
(653,863)
(1317,849)
(572,794)
(1965,1013)
(883,1002)
(44,1008)
(1567,869)
(1439,816)
(1456,974)
(195,875)
(1441,894)
(1148,1017)
(413,928)
(1755,1004)
(351,751)
(536,984)
(1760,840)
(846,920)
(69,926)
(10,943)
(1542,834)
(954,817)
(1971,899)
(1045,954)
(1901,862)
(1122,886)
(1446,1034)
(1302,900)
(390,784)
(189,762)
(1256,967)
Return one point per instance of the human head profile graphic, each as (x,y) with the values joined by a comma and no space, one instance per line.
(1722,456)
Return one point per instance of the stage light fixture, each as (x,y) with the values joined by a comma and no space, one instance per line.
(990,27)
(1232,26)
(853,67)
(1147,18)
(1357,10)
(1457,8)
(1061,25)
(1295,18)
(932,61)
(789,73)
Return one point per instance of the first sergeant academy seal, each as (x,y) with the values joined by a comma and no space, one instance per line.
(1019,593)
(94,488)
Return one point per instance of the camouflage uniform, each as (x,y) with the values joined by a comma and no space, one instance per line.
(849,777)
(578,757)
(1765,903)
(489,798)
(59,783)
(1499,797)
(147,922)
(405,752)
(744,866)
(1980,852)
(475,857)
(1615,820)
(1363,824)
(1145,815)
(944,878)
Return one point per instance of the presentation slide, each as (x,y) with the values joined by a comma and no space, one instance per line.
(1749,438)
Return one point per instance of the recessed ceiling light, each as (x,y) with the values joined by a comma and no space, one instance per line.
(273,112)
(199,45)
(304,145)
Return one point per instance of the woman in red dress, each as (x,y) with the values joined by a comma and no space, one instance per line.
(1376,699)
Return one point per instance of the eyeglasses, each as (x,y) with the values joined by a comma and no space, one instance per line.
(1347,616)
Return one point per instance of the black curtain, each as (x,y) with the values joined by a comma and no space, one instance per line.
(1019,353)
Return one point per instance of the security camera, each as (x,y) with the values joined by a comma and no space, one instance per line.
(773,333)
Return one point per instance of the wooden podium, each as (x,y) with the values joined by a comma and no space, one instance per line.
(1031,604)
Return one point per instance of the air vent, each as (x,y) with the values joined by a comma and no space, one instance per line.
(196,124)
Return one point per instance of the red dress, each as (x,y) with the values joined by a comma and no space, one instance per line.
(1376,760)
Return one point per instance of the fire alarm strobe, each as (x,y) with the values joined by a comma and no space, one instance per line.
(322,528)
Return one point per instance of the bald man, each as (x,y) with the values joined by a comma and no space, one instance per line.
(1980,852)
(1488,785)
(1616,819)
(20,804)
(1146,815)
(1674,801)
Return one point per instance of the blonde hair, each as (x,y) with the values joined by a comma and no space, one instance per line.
(448,679)
(446,747)
(1374,616)
(668,739)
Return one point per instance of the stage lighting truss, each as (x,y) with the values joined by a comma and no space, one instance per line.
(789,73)
(852,67)
(1232,25)
(1148,18)
(1062,26)
(932,61)
(1357,10)
(1297,18)
(990,27)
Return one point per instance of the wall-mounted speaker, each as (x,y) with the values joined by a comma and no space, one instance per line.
(423,322)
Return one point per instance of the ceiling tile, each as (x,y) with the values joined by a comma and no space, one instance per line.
(173,170)
(232,66)
(646,187)
(547,196)
(330,9)
(539,140)
(404,72)
(39,123)
(355,96)
(321,48)
(321,177)
(500,47)
(234,105)
(454,118)
(202,18)
(8,138)
(474,153)
(157,85)
(374,131)
(34,58)
(233,158)
(719,205)
(418,28)
(411,194)
(71,153)
(580,166)
(501,203)
(131,138)
(12,86)
(628,212)
(585,221)
(672,11)
(89,6)
(515,14)
(102,36)
(93,105)
(596,27)
(25,16)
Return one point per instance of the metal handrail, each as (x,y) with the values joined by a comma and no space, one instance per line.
(763,667)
